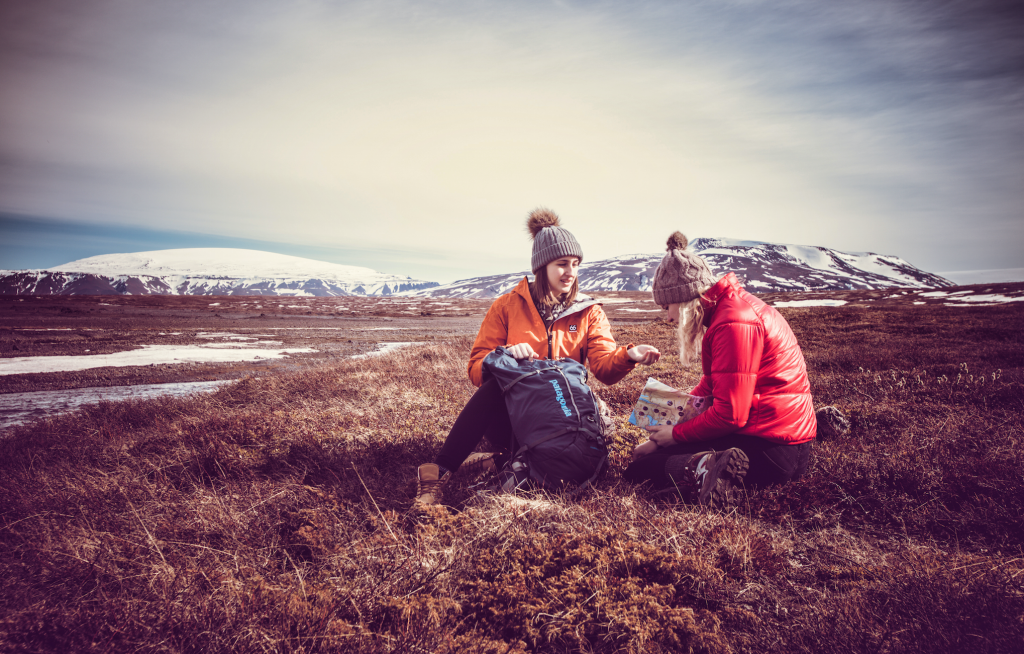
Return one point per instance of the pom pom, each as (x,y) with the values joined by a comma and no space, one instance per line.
(539,219)
(677,241)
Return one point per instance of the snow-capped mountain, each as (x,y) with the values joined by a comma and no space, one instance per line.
(204,271)
(763,267)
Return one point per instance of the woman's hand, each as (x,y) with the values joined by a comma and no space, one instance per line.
(644,354)
(643,449)
(661,434)
(522,351)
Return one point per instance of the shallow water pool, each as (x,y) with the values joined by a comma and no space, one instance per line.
(18,408)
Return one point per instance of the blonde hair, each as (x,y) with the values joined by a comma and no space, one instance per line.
(691,329)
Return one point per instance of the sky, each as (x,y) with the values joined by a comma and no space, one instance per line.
(415,137)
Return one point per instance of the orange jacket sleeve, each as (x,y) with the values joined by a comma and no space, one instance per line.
(608,362)
(493,333)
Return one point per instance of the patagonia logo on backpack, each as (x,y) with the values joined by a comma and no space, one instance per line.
(560,398)
(558,444)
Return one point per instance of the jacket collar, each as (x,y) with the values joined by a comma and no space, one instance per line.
(727,284)
(582,301)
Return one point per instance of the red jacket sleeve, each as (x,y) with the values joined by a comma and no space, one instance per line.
(703,388)
(736,350)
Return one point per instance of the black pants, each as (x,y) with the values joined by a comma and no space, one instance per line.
(770,463)
(484,414)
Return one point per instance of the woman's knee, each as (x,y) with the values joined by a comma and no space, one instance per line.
(777,465)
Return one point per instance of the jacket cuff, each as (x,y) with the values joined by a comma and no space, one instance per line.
(625,353)
(677,433)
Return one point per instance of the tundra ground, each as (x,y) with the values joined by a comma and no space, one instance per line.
(273,514)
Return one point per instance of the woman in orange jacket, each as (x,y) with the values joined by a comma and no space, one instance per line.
(548,318)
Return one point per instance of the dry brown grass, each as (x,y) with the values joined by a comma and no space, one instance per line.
(271,516)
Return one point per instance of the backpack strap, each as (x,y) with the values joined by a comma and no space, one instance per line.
(504,389)
(568,386)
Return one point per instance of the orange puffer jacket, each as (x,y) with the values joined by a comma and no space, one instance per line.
(580,332)
(754,369)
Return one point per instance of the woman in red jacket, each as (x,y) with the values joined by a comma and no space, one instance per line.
(547,318)
(760,425)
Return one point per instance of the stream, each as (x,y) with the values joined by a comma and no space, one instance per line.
(18,408)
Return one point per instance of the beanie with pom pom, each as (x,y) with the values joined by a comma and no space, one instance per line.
(550,240)
(682,274)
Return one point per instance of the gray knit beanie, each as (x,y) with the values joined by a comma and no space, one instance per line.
(681,275)
(550,240)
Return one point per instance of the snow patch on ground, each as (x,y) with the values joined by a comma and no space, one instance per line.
(984,299)
(146,356)
(384,348)
(942,293)
(811,303)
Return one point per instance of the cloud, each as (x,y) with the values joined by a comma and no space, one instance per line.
(398,124)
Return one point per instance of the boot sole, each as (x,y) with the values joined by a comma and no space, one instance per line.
(729,470)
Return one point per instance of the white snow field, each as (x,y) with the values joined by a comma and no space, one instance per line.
(147,355)
(764,266)
(819,258)
(974,300)
(217,262)
(215,271)
(810,303)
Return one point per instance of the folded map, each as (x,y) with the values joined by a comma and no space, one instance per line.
(663,405)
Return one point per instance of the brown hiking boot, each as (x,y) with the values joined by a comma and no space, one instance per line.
(710,478)
(478,463)
(429,488)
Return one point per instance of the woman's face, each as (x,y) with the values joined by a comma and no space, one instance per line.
(562,273)
(673,312)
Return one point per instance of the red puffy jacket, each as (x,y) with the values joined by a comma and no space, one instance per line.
(754,369)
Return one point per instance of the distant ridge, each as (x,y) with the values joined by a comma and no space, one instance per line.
(205,271)
(764,267)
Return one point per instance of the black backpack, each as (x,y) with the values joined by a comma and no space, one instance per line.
(559,434)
